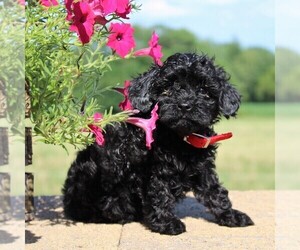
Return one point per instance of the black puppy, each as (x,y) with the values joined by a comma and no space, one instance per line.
(124,181)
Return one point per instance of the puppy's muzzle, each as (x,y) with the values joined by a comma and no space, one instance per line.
(185,106)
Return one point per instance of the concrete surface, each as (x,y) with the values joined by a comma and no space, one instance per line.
(287,220)
(12,235)
(50,230)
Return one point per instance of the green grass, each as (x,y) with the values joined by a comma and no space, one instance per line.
(50,166)
(244,162)
(258,110)
(287,110)
(287,146)
(247,160)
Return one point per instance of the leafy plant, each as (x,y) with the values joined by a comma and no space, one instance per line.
(12,62)
(69,47)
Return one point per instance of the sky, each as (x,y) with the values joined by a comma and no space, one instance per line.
(287,24)
(249,22)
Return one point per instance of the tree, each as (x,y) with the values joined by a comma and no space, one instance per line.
(265,90)
(287,75)
(249,66)
(288,89)
(251,70)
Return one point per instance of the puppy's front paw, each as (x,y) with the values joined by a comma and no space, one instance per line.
(234,218)
(172,226)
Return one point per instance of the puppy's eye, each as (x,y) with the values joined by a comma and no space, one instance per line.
(207,96)
(166,92)
(204,93)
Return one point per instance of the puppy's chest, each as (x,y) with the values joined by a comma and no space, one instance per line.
(178,170)
(181,161)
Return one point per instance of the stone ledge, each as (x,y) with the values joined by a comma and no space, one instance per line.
(50,230)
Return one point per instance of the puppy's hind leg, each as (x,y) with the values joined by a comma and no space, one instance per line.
(80,192)
(212,195)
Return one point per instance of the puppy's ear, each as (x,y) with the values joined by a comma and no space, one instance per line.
(229,100)
(140,90)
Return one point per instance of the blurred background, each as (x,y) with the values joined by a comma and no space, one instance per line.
(287,160)
(240,34)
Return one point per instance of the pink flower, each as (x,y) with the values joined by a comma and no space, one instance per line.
(147,124)
(104,7)
(123,8)
(154,50)
(94,5)
(21,2)
(98,117)
(97,131)
(101,8)
(121,38)
(69,5)
(108,6)
(49,3)
(125,104)
(83,21)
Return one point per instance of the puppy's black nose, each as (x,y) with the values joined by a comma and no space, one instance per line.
(184,106)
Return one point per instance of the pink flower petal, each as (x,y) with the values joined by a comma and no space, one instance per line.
(123,8)
(154,50)
(98,117)
(68,4)
(148,125)
(101,20)
(108,6)
(125,104)
(97,131)
(153,42)
(49,3)
(142,52)
(21,2)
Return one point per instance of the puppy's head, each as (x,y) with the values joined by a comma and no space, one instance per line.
(191,91)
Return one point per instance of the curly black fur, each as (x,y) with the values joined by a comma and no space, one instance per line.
(123,181)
